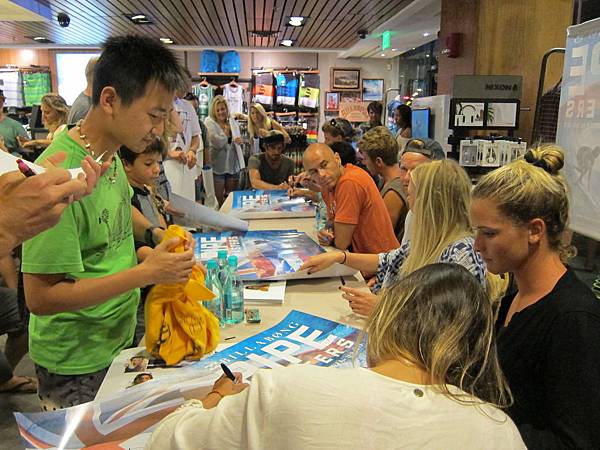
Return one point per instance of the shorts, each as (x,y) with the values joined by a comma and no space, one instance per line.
(10,314)
(223,177)
(62,391)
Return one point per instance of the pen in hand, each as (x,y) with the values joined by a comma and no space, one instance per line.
(343,281)
(228,373)
(25,169)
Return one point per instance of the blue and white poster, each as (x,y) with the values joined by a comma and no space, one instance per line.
(578,131)
(270,204)
(126,419)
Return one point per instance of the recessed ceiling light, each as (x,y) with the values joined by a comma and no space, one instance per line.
(414,48)
(287,43)
(426,34)
(427,56)
(383,54)
(296,21)
(40,39)
(139,19)
(166,40)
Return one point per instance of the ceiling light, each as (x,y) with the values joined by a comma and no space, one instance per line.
(139,19)
(287,43)
(414,48)
(427,56)
(426,34)
(40,39)
(383,54)
(394,49)
(296,21)
(166,40)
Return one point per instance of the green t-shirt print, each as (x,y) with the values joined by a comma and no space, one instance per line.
(93,239)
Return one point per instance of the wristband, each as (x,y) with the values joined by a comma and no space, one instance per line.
(149,236)
(345,256)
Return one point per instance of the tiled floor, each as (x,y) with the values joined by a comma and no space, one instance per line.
(9,437)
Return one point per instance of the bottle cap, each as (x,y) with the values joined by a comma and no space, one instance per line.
(222,254)
(212,264)
(232,261)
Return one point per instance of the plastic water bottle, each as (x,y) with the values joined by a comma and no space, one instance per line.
(234,303)
(321,213)
(222,262)
(213,283)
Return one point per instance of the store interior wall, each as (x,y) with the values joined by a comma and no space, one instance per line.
(324,61)
(526,31)
(458,16)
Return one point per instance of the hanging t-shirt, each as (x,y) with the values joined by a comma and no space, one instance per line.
(234,95)
(308,94)
(35,86)
(263,88)
(287,89)
(12,84)
(205,95)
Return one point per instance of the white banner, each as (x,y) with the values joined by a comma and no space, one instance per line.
(578,130)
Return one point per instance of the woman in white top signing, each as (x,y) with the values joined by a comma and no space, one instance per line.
(225,151)
(433,381)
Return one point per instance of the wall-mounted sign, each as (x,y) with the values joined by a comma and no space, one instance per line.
(487,86)
(354,111)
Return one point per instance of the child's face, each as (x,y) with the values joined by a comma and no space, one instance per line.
(144,170)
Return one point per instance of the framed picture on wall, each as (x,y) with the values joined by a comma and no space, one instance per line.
(345,79)
(372,89)
(332,101)
(354,97)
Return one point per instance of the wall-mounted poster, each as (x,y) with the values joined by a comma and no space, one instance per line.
(332,101)
(345,79)
(372,89)
(354,111)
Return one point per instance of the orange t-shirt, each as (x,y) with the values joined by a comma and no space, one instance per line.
(356,201)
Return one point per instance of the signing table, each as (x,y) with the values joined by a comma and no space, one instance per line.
(317,296)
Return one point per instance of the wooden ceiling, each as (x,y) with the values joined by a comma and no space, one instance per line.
(332,24)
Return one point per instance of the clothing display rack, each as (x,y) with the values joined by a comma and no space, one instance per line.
(25,86)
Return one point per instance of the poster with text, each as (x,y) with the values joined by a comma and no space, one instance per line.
(578,131)
(127,418)
(270,204)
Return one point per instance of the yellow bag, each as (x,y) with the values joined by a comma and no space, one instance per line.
(178,326)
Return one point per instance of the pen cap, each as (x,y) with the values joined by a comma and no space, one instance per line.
(222,254)
(212,264)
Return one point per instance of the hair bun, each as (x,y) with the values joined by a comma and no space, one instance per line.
(549,158)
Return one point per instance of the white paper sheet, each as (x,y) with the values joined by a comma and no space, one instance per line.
(8,163)
(197,215)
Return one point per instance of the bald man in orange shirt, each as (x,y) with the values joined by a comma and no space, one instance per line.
(354,206)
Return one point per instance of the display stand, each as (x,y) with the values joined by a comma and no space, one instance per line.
(481,154)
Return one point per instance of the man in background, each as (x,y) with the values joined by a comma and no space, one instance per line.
(10,129)
(83,102)
(355,211)
(416,152)
(271,168)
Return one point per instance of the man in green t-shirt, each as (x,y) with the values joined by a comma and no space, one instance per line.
(10,129)
(81,277)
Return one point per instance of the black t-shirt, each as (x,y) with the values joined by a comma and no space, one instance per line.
(267,173)
(550,354)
